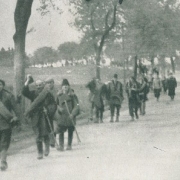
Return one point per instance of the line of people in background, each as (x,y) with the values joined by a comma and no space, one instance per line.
(137,90)
(165,84)
(111,94)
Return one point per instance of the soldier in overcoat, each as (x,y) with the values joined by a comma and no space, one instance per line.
(41,113)
(7,106)
(132,89)
(67,110)
(115,96)
(171,85)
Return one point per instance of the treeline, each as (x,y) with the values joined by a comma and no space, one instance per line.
(6,57)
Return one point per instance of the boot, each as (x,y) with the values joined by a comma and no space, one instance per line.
(61,142)
(101,117)
(117,118)
(96,120)
(4,164)
(132,118)
(70,137)
(69,148)
(47,145)
(40,150)
(137,117)
(111,119)
(101,121)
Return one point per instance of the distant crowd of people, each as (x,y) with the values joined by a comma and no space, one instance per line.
(165,84)
(137,90)
(48,105)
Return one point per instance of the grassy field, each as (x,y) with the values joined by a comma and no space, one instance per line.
(75,74)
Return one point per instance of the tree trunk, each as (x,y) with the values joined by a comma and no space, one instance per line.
(135,66)
(98,58)
(127,63)
(152,61)
(105,34)
(140,66)
(172,65)
(163,65)
(124,69)
(21,18)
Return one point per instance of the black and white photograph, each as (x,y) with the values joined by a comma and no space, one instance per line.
(89,89)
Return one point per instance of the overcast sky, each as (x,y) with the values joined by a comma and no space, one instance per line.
(51,30)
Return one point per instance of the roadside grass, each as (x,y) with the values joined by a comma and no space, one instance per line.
(78,77)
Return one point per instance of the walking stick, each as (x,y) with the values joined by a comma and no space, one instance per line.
(73,123)
(49,123)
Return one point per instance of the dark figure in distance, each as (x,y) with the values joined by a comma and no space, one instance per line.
(171,86)
(132,88)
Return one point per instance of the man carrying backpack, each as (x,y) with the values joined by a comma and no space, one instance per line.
(115,96)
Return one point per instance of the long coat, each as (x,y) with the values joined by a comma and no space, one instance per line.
(8,101)
(171,85)
(133,94)
(115,92)
(99,93)
(69,104)
(48,103)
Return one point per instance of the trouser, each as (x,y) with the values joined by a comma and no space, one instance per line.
(62,130)
(5,139)
(99,113)
(91,110)
(164,88)
(112,109)
(142,107)
(39,142)
(157,93)
(133,109)
(53,135)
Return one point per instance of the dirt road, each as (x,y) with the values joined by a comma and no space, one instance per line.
(146,149)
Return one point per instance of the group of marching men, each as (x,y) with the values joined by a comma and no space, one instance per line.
(47,105)
(111,93)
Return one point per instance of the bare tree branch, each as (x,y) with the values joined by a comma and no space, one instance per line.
(106,33)
(106,19)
